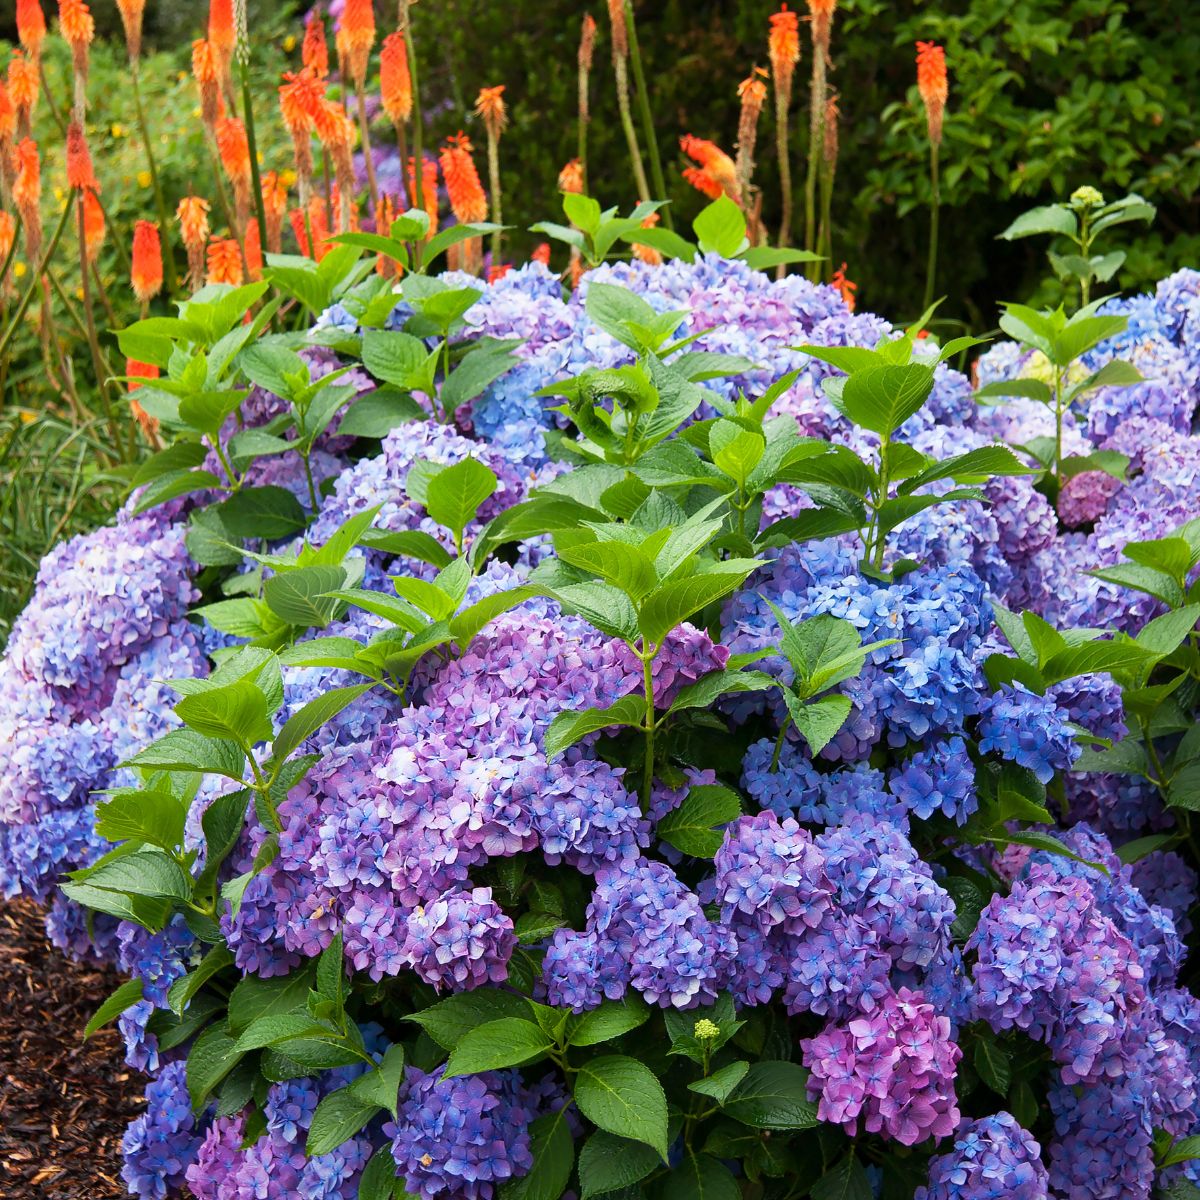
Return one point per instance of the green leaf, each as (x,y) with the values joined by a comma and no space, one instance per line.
(622,1096)
(818,720)
(450,1020)
(1164,635)
(553,1156)
(698,1177)
(393,357)
(269,513)
(773,1095)
(672,603)
(186,750)
(183,991)
(454,494)
(979,464)
(705,690)
(847,1181)
(210,1059)
(625,566)
(301,597)
(882,398)
(152,816)
(762,258)
(1051,218)
(569,727)
(474,373)
(507,1042)
(720,228)
(172,484)
(466,625)
(1094,657)
(127,995)
(608,1163)
(721,1083)
(337,1119)
(695,826)
(237,712)
(307,720)
(376,414)
(1030,389)
(381,1086)
(1139,848)
(612,1019)
(255,998)
(1184,1150)
(148,873)
(993,1064)
(281,1027)
(379,1176)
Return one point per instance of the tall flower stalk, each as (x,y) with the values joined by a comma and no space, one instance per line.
(783,46)
(752,92)
(357,35)
(395,88)
(821,27)
(490,108)
(934,88)
(620,57)
(243,57)
(587,46)
(648,131)
(829,159)
(418,125)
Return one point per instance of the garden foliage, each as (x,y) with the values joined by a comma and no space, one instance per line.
(673,739)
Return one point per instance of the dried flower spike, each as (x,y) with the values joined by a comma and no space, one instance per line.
(490,108)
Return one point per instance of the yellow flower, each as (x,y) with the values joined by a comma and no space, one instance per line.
(143,178)
(289,42)
(27,417)
(19,269)
(288,178)
(79,293)
(118,131)
(196,112)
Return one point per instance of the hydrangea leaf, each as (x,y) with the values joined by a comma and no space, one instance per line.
(622,1096)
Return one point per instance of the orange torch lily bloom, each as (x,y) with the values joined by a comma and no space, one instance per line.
(468,201)
(933,85)
(147,271)
(395,81)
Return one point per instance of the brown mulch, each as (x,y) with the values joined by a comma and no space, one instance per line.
(64,1103)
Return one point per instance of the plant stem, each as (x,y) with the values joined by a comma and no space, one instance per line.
(308,477)
(647,656)
(648,132)
(631,138)
(98,364)
(779,743)
(159,200)
(816,142)
(47,254)
(256,182)
(935,203)
(493,147)
(885,482)
(1058,430)
(49,94)
(582,123)
(785,174)
(364,129)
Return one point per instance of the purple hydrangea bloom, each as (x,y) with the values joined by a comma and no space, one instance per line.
(993,1159)
(461,941)
(159,1145)
(893,1068)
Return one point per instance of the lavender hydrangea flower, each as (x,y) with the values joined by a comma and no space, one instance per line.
(993,1159)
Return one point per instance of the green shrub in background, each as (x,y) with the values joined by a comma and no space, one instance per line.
(1044,96)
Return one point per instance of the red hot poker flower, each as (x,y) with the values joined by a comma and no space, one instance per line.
(147,271)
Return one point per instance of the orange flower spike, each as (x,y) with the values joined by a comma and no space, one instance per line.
(395,80)
(80,173)
(541,254)
(752,92)
(821,12)
(8,235)
(933,85)
(222,37)
(192,215)
(140,371)
(356,33)
(716,164)
(275,198)
(468,200)
(318,219)
(570,178)
(783,46)
(23,86)
(8,130)
(429,185)
(27,189)
(620,34)
(146,274)
(204,69)
(93,225)
(490,107)
(132,12)
(31,26)
(234,149)
(703,182)
(314,53)
(844,286)
(254,255)
(224,261)
(648,254)
(78,28)
(587,42)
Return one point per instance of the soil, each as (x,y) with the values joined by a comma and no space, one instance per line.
(64,1102)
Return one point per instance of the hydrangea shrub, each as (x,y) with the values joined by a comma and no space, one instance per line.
(655,741)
